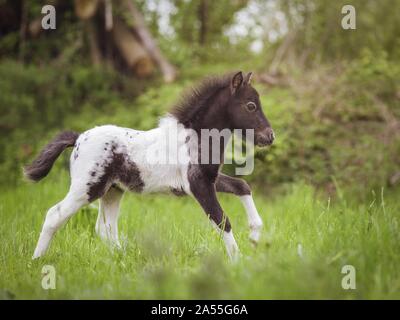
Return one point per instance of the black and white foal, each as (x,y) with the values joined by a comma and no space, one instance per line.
(107,161)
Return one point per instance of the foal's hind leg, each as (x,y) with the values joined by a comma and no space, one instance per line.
(107,220)
(56,217)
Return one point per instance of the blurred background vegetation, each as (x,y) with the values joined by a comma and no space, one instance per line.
(332,95)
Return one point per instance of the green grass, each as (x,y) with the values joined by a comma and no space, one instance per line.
(170,250)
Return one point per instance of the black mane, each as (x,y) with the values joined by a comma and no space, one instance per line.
(194,102)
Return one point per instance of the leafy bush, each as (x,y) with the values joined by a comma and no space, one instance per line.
(334,125)
(337,124)
(36,101)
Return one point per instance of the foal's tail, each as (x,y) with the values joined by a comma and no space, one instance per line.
(42,165)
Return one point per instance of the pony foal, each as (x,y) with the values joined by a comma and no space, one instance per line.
(108,160)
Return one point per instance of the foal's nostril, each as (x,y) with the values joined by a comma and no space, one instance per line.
(270,135)
(266,137)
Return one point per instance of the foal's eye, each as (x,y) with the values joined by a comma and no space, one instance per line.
(251,106)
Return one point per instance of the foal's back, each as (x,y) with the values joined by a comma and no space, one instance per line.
(130,159)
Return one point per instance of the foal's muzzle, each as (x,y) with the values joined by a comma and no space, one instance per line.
(265,137)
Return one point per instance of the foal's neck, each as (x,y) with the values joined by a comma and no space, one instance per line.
(215,114)
(215,117)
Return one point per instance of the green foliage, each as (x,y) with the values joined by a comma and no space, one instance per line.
(336,122)
(373,74)
(321,37)
(202,21)
(37,101)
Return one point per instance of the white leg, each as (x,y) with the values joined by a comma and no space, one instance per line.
(231,246)
(107,220)
(56,217)
(254,219)
(230,243)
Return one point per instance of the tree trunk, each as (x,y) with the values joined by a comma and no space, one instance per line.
(280,53)
(95,52)
(168,71)
(203,18)
(22,32)
(85,9)
(108,15)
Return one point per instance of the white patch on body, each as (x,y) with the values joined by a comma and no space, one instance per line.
(89,155)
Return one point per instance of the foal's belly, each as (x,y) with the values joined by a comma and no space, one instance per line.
(161,170)
(164,178)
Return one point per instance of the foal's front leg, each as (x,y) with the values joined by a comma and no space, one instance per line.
(205,194)
(240,188)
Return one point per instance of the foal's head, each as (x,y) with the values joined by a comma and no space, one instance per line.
(225,102)
(245,112)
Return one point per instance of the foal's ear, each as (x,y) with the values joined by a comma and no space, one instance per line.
(236,82)
(248,78)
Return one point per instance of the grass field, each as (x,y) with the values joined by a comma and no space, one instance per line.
(170,250)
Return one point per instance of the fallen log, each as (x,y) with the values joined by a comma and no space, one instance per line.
(133,53)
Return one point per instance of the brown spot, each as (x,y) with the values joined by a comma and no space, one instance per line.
(117,168)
